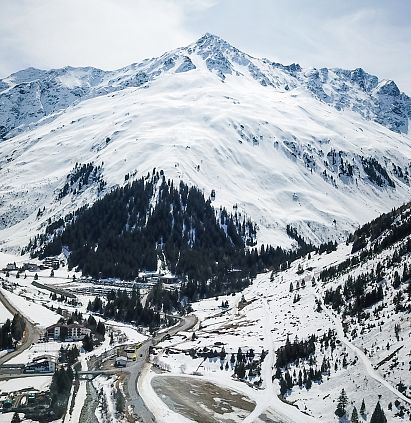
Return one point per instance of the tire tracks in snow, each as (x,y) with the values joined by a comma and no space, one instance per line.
(267,398)
(364,359)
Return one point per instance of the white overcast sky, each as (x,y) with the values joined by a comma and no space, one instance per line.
(373,34)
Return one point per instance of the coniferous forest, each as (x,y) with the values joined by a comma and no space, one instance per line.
(132,227)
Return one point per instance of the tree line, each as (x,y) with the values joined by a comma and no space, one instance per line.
(11,332)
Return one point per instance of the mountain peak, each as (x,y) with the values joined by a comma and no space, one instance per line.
(48,91)
(209,38)
(26,75)
(211,42)
(388,87)
(218,54)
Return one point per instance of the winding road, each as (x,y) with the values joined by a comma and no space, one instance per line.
(31,333)
(141,411)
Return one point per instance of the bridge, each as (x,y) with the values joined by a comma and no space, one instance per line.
(91,374)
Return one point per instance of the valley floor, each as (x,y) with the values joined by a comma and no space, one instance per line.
(188,378)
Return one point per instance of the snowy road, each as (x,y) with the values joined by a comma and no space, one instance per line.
(31,334)
(141,411)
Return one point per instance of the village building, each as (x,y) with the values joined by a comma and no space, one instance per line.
(10,267)
(73,332)
(41,364)
(51,262)
(153,278)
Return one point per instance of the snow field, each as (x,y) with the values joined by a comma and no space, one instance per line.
(27,306)
(40,383)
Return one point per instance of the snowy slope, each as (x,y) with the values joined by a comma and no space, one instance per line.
(262,135)
(270,314)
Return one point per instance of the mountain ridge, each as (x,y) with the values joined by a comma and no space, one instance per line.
(29,95)
(275,152)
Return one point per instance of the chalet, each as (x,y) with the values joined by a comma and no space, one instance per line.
(73,332)
(77,332)
(41,364)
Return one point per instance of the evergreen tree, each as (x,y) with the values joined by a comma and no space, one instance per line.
(17,327)
(342,403)
(6,339)
(283,386)
(222,354)
(88,343)
(378,415)
(240,370)
(354,416)
(16,418)
(363,409)
(101,328)
(120,401)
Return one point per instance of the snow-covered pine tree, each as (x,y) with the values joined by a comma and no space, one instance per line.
(342,403)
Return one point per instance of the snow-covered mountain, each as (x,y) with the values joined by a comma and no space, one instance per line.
(320,149)
(32,94)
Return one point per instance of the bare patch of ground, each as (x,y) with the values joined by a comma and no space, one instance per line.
(202,401)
